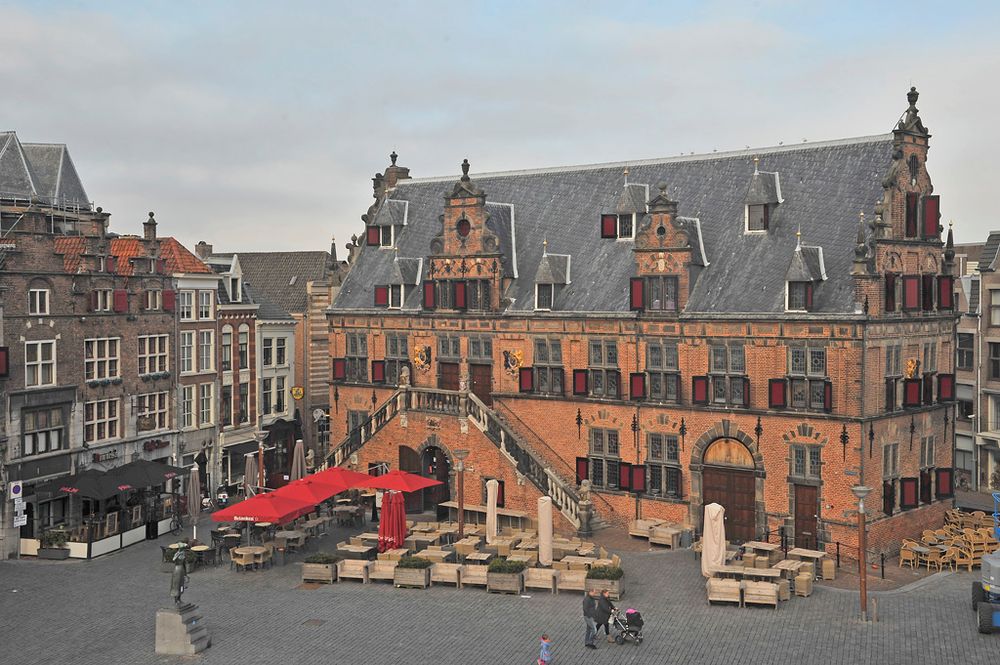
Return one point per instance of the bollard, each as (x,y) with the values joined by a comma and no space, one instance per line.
(838,554)
(882,563)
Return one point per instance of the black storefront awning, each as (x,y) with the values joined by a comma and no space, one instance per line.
(238,449)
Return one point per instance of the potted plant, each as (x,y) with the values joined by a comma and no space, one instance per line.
(320,567)
(413,571)
(606,577)
(53,545)
(505,576)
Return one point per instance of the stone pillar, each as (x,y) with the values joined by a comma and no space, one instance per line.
(586,510)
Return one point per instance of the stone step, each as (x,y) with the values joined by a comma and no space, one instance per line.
(201,644)
(197,634)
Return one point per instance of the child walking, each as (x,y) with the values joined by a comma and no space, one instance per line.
(545,653)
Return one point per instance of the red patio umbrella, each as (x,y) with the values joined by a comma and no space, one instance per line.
(392,527)
(308,489)
(264,508)
(340,477)
(401,481)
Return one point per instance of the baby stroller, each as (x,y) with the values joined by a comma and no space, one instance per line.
(627,625)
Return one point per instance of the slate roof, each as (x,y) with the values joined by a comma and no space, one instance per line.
(266,310)
(824,186)
(763,188)
(42,170)
(973,294)
(988,257)
(281,277)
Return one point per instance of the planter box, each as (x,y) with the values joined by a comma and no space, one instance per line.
(319,572)
(55,553)
(412,577)
(504,582)
(615,587)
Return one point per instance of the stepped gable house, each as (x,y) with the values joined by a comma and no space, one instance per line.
(763,329)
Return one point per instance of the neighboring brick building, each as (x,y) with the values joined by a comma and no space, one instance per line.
(88,335)
(736,335)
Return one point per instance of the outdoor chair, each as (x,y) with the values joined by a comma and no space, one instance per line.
(447,573)
(963,557)
(473,575)
(616,560)
(908,557)
(602,554)
(541,578)
(382,570)
(948,559)
(931,558)
(572,580)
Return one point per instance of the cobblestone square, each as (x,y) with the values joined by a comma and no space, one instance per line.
(103,611)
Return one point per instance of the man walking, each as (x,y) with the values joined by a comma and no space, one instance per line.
(590,617)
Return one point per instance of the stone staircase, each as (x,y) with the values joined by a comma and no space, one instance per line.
(573,503)
(180,631)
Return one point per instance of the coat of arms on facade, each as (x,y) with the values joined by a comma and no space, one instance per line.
(512,361)
(422,359)
(911,367)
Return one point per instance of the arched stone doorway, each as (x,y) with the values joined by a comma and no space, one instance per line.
(435,464)
(727,468)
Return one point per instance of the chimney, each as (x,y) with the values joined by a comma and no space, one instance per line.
(394,173)
(203,250)
(149,228)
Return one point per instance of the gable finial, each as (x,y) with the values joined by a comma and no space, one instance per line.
(465,170)
(545,246)
(756,164)
(393,156)
(798,238)
(626,176)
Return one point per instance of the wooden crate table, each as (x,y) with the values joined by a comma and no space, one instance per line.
(437,556)
(527,559)
(475,514)
(808,555)
(723,572)
(665,535)
(770,551)
(394,554)
(370,538)
(364,552)
(788,567)
(467,545)
(482,558)
(586,561)
(761,573)
(419,541)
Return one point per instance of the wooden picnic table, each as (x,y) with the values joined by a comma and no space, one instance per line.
(393,554)
(788,566)
(588,561)
(479,557)
(526,559)
(437,556)
(422,540)
(802,552)
(357,551)
(758,545)
(726,571)
(762,573)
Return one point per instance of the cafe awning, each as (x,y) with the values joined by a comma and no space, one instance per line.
(90,484)
(264,508)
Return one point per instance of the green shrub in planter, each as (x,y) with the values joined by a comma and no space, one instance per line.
(322,557)
(605,573)
(502,565)
(414,562)
(54,538)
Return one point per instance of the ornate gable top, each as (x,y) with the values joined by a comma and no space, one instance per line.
(661,202)
(910,122)
(465,188)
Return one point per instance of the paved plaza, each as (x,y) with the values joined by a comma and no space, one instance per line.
(90,613)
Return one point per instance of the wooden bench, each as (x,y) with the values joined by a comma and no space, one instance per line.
(572,580)
(760,593)
(641,528)
(724,591)
(541,578)
(472,575)
(353,569)
(381,570)
(447,573)
(665,535)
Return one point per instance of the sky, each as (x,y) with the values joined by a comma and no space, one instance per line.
(257,126)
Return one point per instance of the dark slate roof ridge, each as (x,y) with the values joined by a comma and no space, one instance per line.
(513,234)
(19,147)
(768,150)
(66,168)
(701,243)
(989,252)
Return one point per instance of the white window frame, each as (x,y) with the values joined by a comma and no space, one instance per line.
(156,354)
(552,297)
(38,366)
(392,237)
(280,403)
(105,300)
(187,407)
(101,366)
(206,404)
(187,351)
(395,296)
(206,350)
(206,304)
(266,396)
(618,225)
(186,304)
(154,299)
(280,352)
(746,219)
(38,302)
(156,405)
(111,420)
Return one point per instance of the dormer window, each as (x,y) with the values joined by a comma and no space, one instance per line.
(387,236)
(544,296)
(234,289)
(395,296)
(620,226)
(799,296)
(757,217)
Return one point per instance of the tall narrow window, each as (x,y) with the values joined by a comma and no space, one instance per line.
(807,378)
(543,296)
(279,352)
(205,302)
(279,395)
(757,217)
(244,346)
(549,372)
(397,356)
(662,370)
(227,406)
(966,351)
(206,404)
(187,351)
(268,351)
(604,458)
(206,350)
(187,406)
(357,357)
(227,349)
(265,396)
(604,375)
(38,302)
(185,304)
(244,403)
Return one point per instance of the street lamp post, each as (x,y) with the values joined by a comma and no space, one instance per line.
(861,492)
(635,437)
(460,455)
(260,436)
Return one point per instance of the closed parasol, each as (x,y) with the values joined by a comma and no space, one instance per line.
(392,527)
(298,469)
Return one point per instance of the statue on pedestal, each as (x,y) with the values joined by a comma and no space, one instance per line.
(179,578)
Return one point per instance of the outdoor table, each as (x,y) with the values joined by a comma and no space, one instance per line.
(479,557)
(176,546)
(803,553)
(421,540)
(762,573)
(254,551)
(919,549)
(313,526)
(789,566)
(394,554)
(586,560)
(526,559)
(357,551)
(437,556)
(369,537)
(726,571)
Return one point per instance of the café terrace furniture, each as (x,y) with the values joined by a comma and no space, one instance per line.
(760,593)
(572,580)
(353,569)
(447,573)
(541,578)
(381,570)
(724,591)
(473,575)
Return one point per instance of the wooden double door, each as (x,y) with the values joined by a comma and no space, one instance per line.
(806,509)
(480,379)
(734,490)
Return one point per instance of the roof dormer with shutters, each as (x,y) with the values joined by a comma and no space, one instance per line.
(668,252)
(552,275)
(806,272)
(762,199)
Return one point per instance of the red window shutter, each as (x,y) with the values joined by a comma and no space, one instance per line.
(501,499)
(638,479)
(828,396)
(161,266)
(381,296)
(459,295)
(579,382)
(809,297)
(932,216)
(4,361)
(378,371)
(911,392)
(890,293)
(625,476)
(911,292)
(946,292)
(912,205)
(582,469)
(111,264)
(428,295)
(927,291)
(777,393)
(169,301)
(121,300)
(637,294)
(943,482)
(637,385)
(946,387)
(526,380)
(373,236)
(928,388)
(339,369)
(890,394)
(746,393)
(888,497)
(609,226)
(92,301)
(699,389)
(907,493)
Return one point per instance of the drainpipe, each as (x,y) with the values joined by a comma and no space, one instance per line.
(864,384)
(977,408)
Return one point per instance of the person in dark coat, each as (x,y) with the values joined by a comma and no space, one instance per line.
(590,618)
(604,609)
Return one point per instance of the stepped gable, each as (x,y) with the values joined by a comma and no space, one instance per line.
(823,186)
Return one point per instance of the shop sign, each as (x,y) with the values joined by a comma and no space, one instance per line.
(298,392)
(106,456)
(155,444)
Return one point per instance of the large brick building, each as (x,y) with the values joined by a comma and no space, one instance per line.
(738,333)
